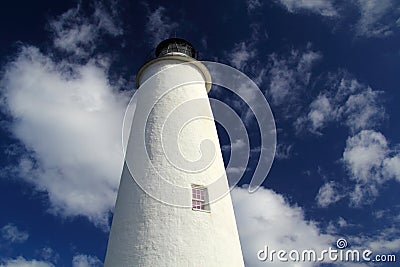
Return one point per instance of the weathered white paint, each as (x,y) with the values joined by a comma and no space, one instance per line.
(146,232)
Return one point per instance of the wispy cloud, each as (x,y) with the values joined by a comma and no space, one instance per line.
(347,102)
(324,8)
(77,34)
(337,225)
(244,52)
(320,112)
(159,26)
(236,146)
(108,22)
(79,260)
(373,18)
(362,110)
(289,75)
(22,262)
(240,149)
(377,18)
(329,193)
(241,54)
(83,260)
(385,241)
(370,162)
(12,234)
(49,255)
(283,151)
(253,5)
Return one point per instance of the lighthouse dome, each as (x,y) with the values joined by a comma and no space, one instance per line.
(175,47)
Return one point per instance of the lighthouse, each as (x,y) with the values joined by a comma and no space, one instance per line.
(173,207)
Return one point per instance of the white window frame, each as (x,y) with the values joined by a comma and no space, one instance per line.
(202,203)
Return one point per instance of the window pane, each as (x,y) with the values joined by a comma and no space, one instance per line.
(199,196)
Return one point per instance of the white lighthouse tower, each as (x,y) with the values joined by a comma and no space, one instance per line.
(173,207)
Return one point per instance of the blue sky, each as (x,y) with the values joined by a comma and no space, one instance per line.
(327,68)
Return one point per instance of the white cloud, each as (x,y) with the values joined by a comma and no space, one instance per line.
(391,167)
(235,146)
(79,260)
(235,171)
(377,18)
(239,153)
(159,26)
(335,227)
(69,118)
(347,102)
(82,260)
(253,4)
(328,193)
(385,241)
(320,112)
(321,7)
(364,154)
(362,110)
(22,262)
(306,61)
(342,222)
(11,233)
(49,255)
(77,34)
(107,22)
(241,54)
(282,80)
(243,57)
(370,162)
(266,218)
(385,245)
(283,151)
(288,75)
(77,39)
(379,213)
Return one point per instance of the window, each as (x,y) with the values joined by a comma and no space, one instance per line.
(199,198)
